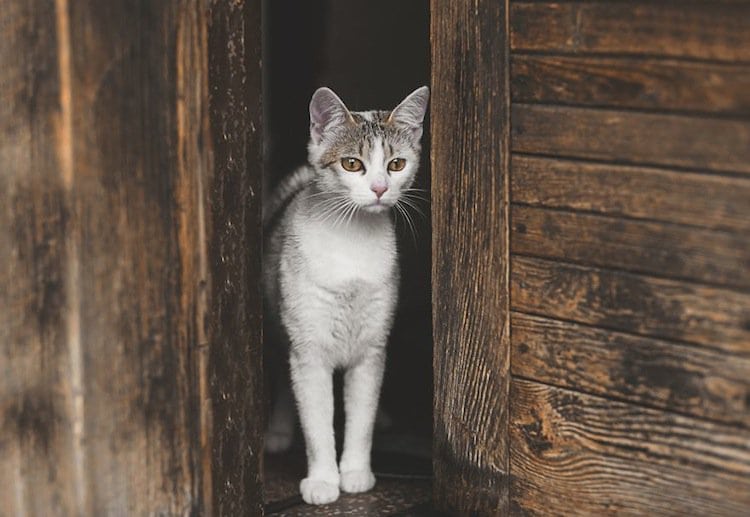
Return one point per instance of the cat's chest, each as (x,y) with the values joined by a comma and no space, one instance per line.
(335,256)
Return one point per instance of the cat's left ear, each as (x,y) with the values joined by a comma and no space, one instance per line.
(412,110)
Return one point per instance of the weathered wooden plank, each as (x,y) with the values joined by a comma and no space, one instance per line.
(654,248)
(193,171)
(678,197)
(574,454)
(706,30)
(137,278)
(713,317)
(470,255)
(628,137)
(662,374)
(632,83)
(37,460)
(235,373)
(127,307)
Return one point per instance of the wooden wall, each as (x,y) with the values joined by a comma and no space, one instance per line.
(129,311)
(630,258)
(470,137)
(615,189)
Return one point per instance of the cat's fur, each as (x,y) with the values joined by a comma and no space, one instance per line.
(331,280)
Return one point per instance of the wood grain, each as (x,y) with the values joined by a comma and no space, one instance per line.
(235,373)
(574,454)
(647,247)
(653,372)
(36,454)
(633,138)
(641,192)
(712,317)
(134,315)
(111,214)
(630,271)
(632,83)
(695,30)
(470,265)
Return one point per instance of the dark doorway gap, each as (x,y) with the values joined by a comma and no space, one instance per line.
(372,54)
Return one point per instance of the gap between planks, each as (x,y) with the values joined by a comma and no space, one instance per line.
(633,272)
(674,168)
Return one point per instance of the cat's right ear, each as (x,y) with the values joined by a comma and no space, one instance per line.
(326,109)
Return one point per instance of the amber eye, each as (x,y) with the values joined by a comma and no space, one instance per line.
(397,164)
(352,164)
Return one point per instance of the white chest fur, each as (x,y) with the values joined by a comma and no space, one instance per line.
(339,287)
(362,252)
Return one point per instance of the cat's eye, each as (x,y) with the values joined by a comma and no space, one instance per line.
(352,164)
(397,164)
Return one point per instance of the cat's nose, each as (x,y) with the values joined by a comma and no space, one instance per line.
(379,189)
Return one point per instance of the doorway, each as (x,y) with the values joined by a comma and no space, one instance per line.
(372,55)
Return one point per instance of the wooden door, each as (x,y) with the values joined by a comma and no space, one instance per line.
(129,244)
(591,235)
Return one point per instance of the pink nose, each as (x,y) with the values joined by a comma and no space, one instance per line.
(378,189)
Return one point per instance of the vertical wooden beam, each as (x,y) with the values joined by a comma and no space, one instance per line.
(235,363)
(131,113)
(470,133)
(129,258)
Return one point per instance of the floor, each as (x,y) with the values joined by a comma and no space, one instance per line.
(403,488)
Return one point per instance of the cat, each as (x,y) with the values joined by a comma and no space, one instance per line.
(331,279)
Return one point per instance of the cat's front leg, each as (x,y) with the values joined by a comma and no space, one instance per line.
(312,382)
(361,392)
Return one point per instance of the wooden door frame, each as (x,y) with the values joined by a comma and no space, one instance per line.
(234,378)
(470,255)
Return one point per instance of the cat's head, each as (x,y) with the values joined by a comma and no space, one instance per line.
(368,157)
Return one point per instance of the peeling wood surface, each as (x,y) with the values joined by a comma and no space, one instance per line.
(470,291)
(110,204)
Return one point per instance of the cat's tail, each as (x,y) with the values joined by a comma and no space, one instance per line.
(284,192)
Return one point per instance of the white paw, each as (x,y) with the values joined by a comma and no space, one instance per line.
(278,441)
(317,491)
(356,481)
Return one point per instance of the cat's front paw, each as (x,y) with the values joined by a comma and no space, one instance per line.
(318,491)
(356,481)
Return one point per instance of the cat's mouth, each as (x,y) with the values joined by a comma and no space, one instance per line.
(376,207)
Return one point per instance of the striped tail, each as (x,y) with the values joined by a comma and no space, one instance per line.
(285,192)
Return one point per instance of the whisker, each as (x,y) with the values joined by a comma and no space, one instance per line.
(333,210)
(342,213)
(409,222)
(413,206)
(355,209)
(411,195)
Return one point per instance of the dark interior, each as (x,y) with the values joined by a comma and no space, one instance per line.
(372,54)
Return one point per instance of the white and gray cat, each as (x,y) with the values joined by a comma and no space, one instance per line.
(331,279)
